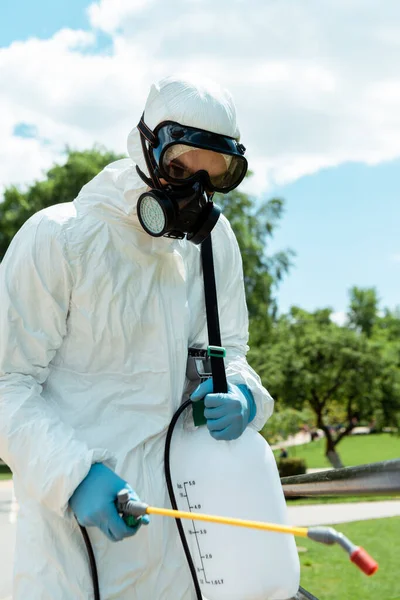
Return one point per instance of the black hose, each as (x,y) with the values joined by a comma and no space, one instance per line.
(174,505)
(92,561)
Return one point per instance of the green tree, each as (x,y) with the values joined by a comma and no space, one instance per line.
(62,183)
(314,362)
(363,311)
(387,327)
(254,225)
(286,422)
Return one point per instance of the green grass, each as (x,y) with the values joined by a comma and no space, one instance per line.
(328,574)
(5,476)
(353,450)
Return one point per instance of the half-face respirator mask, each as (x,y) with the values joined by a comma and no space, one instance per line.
(186,167)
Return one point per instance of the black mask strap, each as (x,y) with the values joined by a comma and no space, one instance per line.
(146,134)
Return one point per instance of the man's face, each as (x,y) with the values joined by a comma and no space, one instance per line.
(193,160)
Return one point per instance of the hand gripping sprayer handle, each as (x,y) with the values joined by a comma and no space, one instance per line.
(323,535)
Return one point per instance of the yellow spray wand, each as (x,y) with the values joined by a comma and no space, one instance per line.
(325,535)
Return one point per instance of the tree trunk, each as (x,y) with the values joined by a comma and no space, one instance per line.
(330,451)
(334,459)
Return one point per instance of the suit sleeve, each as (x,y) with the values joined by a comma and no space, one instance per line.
(35,287)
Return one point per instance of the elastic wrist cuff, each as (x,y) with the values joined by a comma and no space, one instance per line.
(250,400)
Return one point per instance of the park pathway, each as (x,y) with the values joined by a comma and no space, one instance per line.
(332,514)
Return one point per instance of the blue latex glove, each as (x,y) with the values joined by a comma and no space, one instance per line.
(93,503)
(227,414)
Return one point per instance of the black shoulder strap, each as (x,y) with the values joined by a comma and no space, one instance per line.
(214,335)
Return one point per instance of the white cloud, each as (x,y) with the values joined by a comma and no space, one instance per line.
(340,318)
(316,84)
(395,258)
(71,97)
(109,15)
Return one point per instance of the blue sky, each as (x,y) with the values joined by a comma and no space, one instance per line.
(317,89)
(343,223)
(21,19)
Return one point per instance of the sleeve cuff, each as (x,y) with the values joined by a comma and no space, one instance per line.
(250,401)
(238,372)
(82,468)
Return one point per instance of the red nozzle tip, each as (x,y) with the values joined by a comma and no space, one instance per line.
(364,561)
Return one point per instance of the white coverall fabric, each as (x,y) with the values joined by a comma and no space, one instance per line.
(96,318)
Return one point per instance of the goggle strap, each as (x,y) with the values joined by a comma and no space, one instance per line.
(155,182)
(146,131)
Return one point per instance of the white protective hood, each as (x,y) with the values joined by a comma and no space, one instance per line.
(193,102)
(95,320)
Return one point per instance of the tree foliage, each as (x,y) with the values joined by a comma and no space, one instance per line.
(286,422)
(254,225)
(312,362)
(363,310)
(62,183)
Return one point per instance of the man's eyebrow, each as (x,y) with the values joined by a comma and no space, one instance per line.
(176,161)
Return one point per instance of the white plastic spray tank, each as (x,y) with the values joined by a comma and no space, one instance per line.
(235,479)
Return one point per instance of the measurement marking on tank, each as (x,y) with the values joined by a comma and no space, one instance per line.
(203,556)
(195,532)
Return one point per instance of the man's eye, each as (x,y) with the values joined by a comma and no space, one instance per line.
(177,171)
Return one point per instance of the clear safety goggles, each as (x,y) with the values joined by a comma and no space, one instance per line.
(185,154)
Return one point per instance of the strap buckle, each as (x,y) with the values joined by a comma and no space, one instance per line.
(216,351)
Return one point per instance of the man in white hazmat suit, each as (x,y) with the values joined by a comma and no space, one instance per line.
(96,318)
